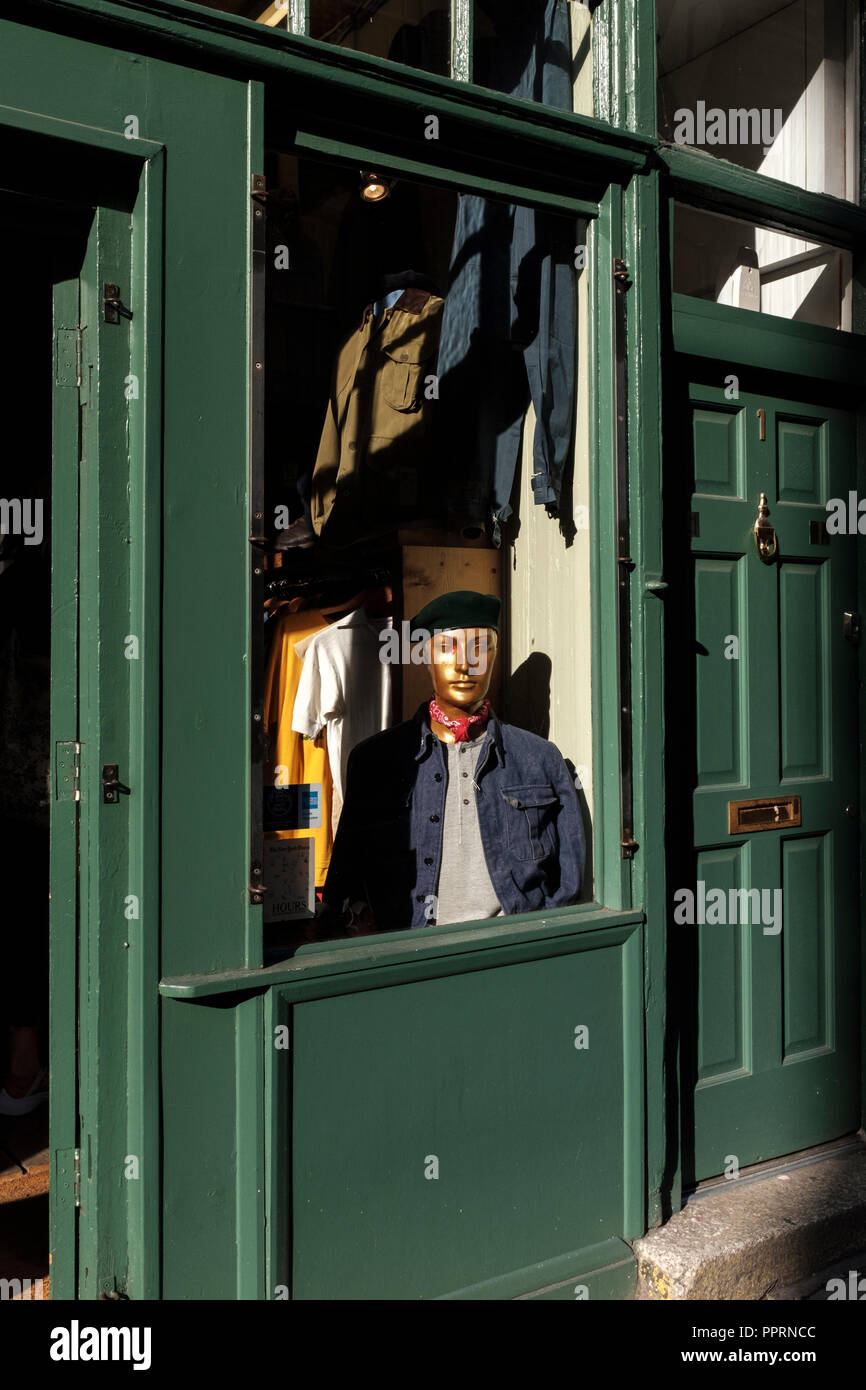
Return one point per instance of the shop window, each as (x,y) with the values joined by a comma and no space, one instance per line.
(425,435)
(751,267)
(767,84)
(416,32)
(539,50)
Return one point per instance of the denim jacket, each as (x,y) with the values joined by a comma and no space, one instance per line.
(388,848)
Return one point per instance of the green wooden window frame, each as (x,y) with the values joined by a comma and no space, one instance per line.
(612,878)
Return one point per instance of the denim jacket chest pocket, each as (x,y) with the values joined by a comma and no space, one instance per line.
(388,811)
(530,815)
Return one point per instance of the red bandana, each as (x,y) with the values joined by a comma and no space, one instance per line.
(460,727)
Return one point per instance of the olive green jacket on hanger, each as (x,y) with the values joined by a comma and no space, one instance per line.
(374,465)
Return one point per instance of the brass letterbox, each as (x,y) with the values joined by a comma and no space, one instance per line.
(774,813)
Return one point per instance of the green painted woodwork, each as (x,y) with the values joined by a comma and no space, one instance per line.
(705,329)
(105,831)
(777,1013)
(624,38)
(341,90)
(612,1282)
(469,965)
(418,168)
(239,1139)
(705,181)
(145,481)
(202,1248)
(642,252)
(357,963)
(530,1135)
(196,431)
(205,366)
(611,872)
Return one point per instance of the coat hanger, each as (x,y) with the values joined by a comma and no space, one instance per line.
(346,606)
(380,602)
(273,606)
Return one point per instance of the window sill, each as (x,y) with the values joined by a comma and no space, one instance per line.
(529,931)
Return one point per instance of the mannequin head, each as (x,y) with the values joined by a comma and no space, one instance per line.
(461,667)
(462,631)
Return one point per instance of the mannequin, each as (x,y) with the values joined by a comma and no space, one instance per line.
(461,666)
(453,816)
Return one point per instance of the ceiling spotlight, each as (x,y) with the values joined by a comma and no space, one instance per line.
(374,187)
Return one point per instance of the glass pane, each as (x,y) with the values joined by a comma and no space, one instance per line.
(415,32)
(273,13)
(767,84)
(749,267)
(425,394)
(538,50)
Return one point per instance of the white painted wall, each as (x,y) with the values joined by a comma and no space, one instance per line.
(547,582)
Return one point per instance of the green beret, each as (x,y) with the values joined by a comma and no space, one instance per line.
(461,608)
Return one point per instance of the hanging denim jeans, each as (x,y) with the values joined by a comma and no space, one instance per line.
(510,320)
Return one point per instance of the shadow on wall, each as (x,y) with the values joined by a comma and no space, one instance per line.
(527,705)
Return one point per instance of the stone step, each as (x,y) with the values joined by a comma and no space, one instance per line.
(768,1230)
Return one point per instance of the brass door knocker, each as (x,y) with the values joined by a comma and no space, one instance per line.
(766,542)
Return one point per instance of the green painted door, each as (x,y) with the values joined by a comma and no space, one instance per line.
(774,985)
(93,655)
(64,809)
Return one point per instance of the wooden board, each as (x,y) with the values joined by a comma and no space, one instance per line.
(428,571)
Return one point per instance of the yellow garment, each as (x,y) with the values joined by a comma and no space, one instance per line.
(305,760)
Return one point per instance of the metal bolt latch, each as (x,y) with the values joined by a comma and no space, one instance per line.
(111,785)
(113,308)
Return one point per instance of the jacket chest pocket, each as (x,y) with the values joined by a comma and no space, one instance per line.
(386,822)
(408,355)
(401,381)
(530,814)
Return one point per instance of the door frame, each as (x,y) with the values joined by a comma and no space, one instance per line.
(118,722)
(98,167)
(835,364)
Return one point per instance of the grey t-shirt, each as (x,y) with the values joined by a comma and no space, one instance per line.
(465,893)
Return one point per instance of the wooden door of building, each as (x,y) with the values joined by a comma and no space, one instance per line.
(769,919)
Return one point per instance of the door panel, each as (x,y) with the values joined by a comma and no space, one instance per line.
(106,661)
(776,1060)
(720,701)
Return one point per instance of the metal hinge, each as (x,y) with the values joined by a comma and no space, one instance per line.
(76,1178)
(67,771)
(620,273)
(67,357)
(256,887)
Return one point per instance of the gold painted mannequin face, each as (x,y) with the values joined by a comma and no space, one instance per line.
(461,665)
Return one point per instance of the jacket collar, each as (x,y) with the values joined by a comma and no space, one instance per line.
(411,301)
(426,736)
